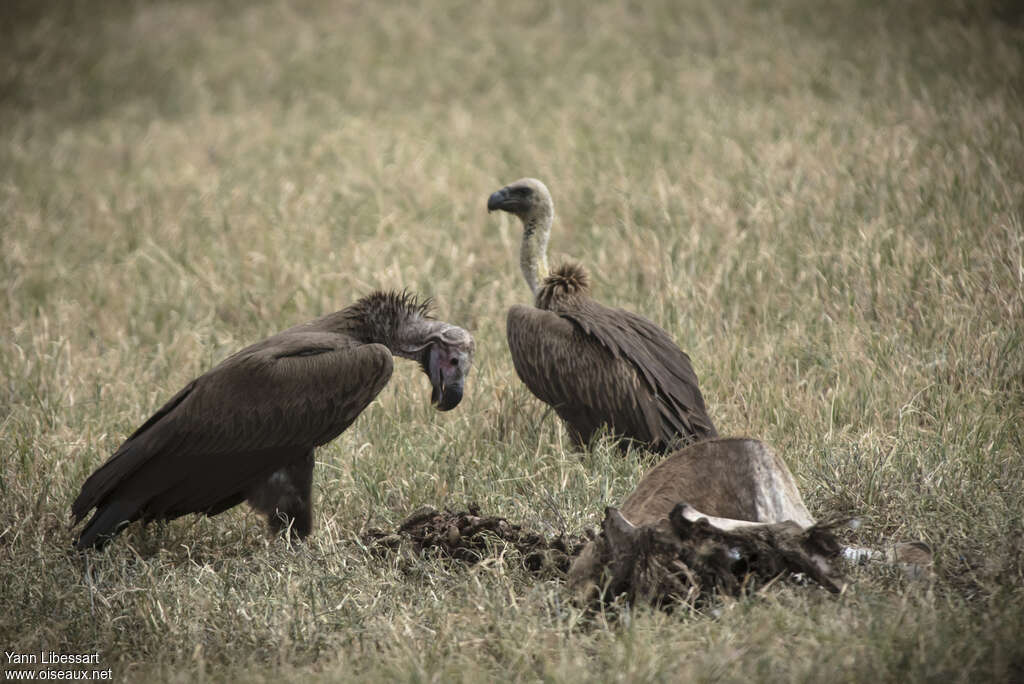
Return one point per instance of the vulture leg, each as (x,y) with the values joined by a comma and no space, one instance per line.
(286,497)
(579,440)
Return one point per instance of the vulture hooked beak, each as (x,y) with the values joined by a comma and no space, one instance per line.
(496,200)
(512,200)
(447,364)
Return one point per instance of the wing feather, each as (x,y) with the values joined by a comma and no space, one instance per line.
(242,420)
(609,366)
(665,368)
(584,382)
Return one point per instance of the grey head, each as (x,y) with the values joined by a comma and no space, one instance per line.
(446,357)
(527,198)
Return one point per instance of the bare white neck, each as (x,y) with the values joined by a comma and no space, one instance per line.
(533,253)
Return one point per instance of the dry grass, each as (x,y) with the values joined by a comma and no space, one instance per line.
(822,204)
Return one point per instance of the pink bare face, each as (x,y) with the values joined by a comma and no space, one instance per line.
(447,362)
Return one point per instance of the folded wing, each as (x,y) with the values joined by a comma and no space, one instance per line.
(597,366)
(260,410)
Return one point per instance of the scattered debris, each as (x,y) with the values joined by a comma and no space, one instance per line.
(655,563)
(719,517)
(676,559)
(467,536)
(913,559)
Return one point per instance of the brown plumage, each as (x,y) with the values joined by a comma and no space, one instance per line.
(595,365)
(246,429)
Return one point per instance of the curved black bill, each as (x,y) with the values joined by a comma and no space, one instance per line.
(497,200)
(446,397)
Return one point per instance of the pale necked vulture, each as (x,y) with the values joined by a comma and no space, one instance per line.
(596,366)
(246,429)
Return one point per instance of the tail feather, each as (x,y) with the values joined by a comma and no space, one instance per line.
(105,523)
(127,460)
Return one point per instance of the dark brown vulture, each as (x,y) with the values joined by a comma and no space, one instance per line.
(596,366)
(246,430)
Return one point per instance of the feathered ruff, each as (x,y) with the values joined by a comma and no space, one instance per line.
(568,280)
(377,317)
(389,304)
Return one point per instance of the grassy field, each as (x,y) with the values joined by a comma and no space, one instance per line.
(822,202)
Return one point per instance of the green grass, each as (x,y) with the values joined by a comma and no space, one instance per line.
(822,202)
